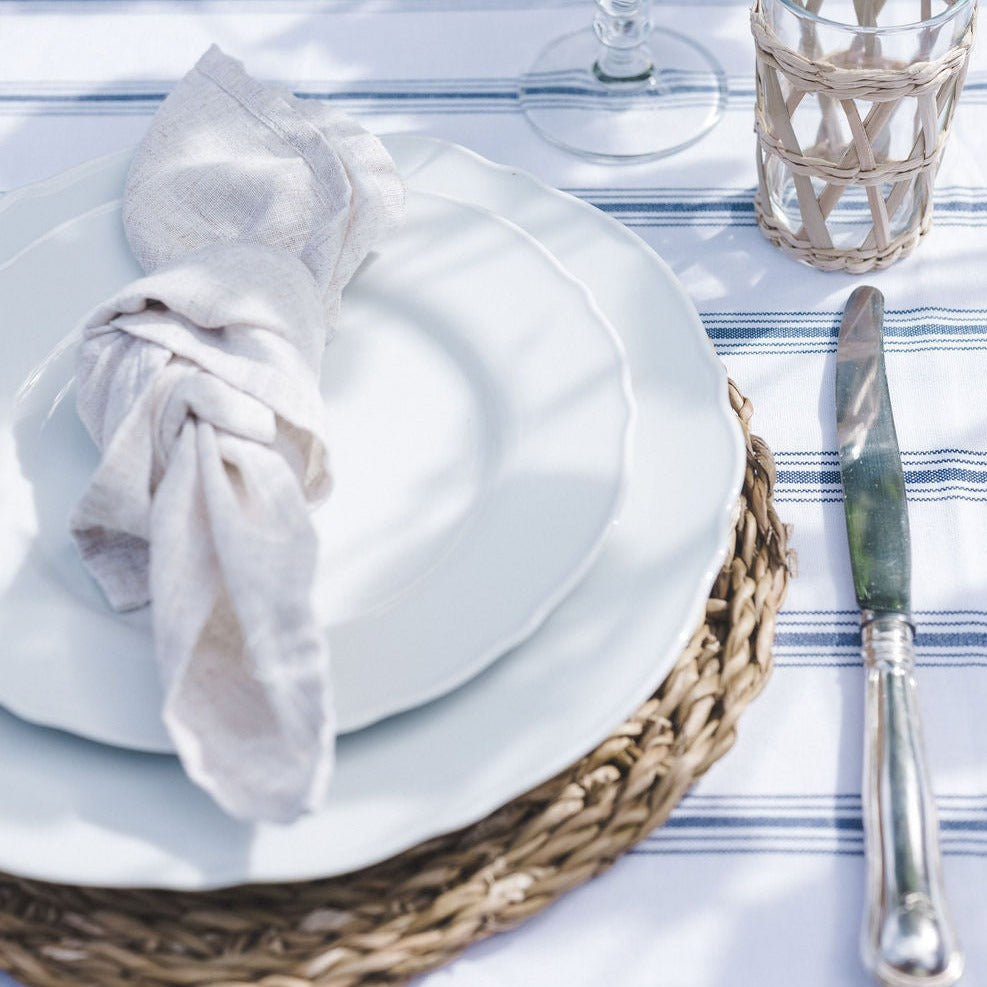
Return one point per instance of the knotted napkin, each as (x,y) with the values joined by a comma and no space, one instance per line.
(249,210)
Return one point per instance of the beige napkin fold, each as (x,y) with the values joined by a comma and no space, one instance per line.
(249,210)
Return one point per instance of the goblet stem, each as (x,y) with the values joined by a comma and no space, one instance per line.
(623,27)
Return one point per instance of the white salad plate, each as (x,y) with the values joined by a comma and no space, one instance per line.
(479,412)
(75,811)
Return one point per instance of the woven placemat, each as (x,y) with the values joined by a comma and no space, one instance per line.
(397,919)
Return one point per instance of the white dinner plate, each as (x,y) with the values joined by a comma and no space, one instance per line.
(479,412)
(80,812)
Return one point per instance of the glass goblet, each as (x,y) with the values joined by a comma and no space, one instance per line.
(623,90)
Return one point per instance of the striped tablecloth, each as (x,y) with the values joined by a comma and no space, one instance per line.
(758,877)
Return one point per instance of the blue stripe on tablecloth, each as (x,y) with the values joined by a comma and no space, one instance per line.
(422,95)
(931,475)
(432,95)
(821,824)
(489,93)
(955,206)
(831,639)
(680,88)
(740,88)
(905,331)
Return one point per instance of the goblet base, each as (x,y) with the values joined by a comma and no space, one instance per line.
(573,102)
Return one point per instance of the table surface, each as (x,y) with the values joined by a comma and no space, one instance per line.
(758,876)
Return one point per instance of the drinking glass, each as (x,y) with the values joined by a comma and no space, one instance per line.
(854,103)
(623,90)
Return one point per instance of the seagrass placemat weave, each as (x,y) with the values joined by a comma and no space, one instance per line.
(397,919)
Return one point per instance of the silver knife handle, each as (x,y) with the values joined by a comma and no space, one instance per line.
(908,939)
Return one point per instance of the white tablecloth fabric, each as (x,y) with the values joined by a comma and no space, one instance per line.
(757,879)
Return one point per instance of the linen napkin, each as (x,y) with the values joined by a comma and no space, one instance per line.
(249,210)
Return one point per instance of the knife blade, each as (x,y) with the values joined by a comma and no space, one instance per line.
(908,939)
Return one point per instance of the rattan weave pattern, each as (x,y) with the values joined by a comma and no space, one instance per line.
(861,101)
(392,921)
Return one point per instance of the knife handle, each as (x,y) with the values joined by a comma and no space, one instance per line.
(908,939)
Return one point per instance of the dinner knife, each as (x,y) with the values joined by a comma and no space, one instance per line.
(907,939)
